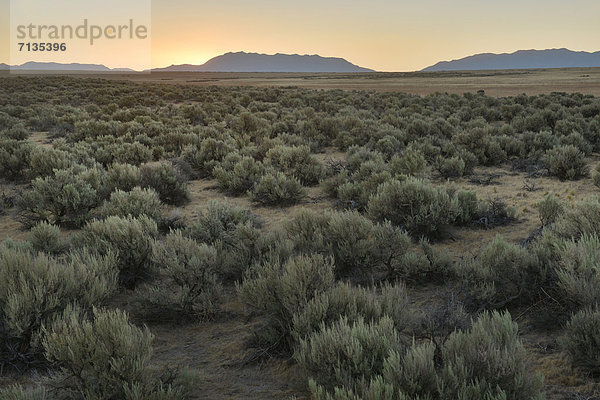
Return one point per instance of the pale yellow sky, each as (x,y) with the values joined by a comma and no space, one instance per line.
(383,35)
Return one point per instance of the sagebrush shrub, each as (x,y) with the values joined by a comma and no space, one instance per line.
(166,180)
(122,176)
(596,175)
(578,271)
(502,273)
(46,237)
(103,357)
(17,392)
(582,218)
(205,158)
(415,205)
(410,162)
(581,339)
(550,208)
(453,167)
(296,161)
(130,238)
(14,157)
(354,303)
(426,264)
(468,206)
(218,220)
(37,287)
(233,232)
(566,162)
(238,174)
(135,203)
(278,189)
(191,268)
(487,361)
(65,198)
(43,161)
(357,245)
(346,354)
(282,290)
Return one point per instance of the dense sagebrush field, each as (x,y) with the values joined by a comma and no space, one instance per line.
(189,242)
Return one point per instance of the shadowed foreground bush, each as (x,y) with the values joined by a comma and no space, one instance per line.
(35,288)
(281,290)
(130,238)
(368,361)
(354,303)
(502,273)
(105,357)
(194,290)
(46,237)
(582,339)
(578,271)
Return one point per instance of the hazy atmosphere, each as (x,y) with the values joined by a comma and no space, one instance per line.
(382,35)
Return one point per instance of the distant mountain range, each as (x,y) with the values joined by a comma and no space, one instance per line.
(522,59)
(52,66)
(254,62)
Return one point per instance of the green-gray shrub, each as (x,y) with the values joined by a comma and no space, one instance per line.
(66,198)
(424,264)
(581,339)
(468,206)
(415,205)
(578,271)
(205,158)
(43,161)
(17,392)
(296,161)
(453,167)
(14,157)
(37,287)
(122,176)
(218,221)
(166,180)
(238,174)
(501,274)
(278,189)
(487,361)
(233,232)
(582,218)
(281,290)
(191,269)
(550,208)
(357,245)
(104,357)
(596,175)
(566,162)
(135,203)
(46,238)
(354,303)
(410,162)
(348,354)
(130,238)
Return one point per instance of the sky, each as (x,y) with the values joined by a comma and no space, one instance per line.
(383,35)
